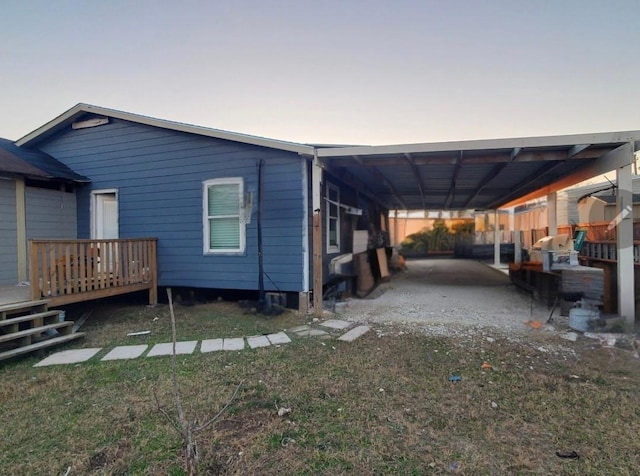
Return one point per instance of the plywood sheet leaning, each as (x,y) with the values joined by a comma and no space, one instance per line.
(381,253)
(362,269)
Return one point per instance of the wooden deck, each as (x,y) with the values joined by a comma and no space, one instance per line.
(69,271)
(14,294)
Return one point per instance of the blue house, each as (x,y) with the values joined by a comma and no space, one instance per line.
(229,211)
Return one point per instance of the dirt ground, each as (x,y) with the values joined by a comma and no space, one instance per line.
(444,296)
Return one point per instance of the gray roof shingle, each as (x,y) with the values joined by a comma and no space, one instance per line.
(34,163)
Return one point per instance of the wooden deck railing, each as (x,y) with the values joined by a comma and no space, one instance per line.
(68,271)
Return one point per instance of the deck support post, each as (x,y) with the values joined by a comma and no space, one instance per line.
(316,190)
(153,260)
(624,233)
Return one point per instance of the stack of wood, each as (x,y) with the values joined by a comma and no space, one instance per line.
(369,267)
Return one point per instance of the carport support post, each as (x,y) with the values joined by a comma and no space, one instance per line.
(624,221)
(316,191)
(496,238)
(552,213)
(517,242)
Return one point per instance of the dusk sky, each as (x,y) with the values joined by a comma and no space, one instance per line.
(349,72)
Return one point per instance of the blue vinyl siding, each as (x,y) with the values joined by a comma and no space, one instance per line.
(159,174)
(51,214)
(8,233)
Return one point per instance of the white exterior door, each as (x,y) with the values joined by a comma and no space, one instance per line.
(105,216)
(104,226)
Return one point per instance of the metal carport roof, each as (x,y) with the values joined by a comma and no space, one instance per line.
(481,174)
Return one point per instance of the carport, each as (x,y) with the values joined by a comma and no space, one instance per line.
(487,175)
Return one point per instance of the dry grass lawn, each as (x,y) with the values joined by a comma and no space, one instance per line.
(379,405)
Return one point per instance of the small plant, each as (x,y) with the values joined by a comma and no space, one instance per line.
(438,238)
(416,243)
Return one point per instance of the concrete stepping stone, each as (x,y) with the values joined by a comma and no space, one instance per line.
(125,352)
(211,345)
(279,338)
(297,330)
(258,341)
(166,348)
(236,343)
(313,333)
(336,324)
(354,333)
(72,356)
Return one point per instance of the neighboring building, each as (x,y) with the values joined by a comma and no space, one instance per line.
(592,202)
(37,200)
(602,208)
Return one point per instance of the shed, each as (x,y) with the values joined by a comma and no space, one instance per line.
(37,199)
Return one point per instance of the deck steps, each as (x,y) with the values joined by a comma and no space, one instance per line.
(7,310)
(29,326)
(39,345)
(63,328)
(46,317)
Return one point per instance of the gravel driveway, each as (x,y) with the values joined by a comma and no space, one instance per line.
(446,296)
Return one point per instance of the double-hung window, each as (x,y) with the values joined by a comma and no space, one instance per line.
(333,219)
(224,229)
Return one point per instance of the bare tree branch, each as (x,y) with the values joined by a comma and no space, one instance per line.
(176,392)
(189,443)
(169,418)
(203,426)
(187,429)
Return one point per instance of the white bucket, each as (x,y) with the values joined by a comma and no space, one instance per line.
(582,319)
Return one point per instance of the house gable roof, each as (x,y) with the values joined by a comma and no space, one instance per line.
(34,164)
(479,174)
(69,117)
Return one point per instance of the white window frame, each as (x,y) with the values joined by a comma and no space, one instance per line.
(333,248)
(205,216)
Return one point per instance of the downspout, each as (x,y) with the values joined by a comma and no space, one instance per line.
(260,257)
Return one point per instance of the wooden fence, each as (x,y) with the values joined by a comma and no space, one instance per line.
(68,271)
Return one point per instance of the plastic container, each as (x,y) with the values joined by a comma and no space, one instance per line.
(583,320)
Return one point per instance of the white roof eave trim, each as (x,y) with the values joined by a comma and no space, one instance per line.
(484,144)
(165,124)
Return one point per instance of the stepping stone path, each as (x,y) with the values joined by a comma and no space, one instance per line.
(258,341)
(72,356)
(211,345)
(354,333)
(308,331)
(126,352)
(336,324)
(279,338)
(233,344)
(167,348)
